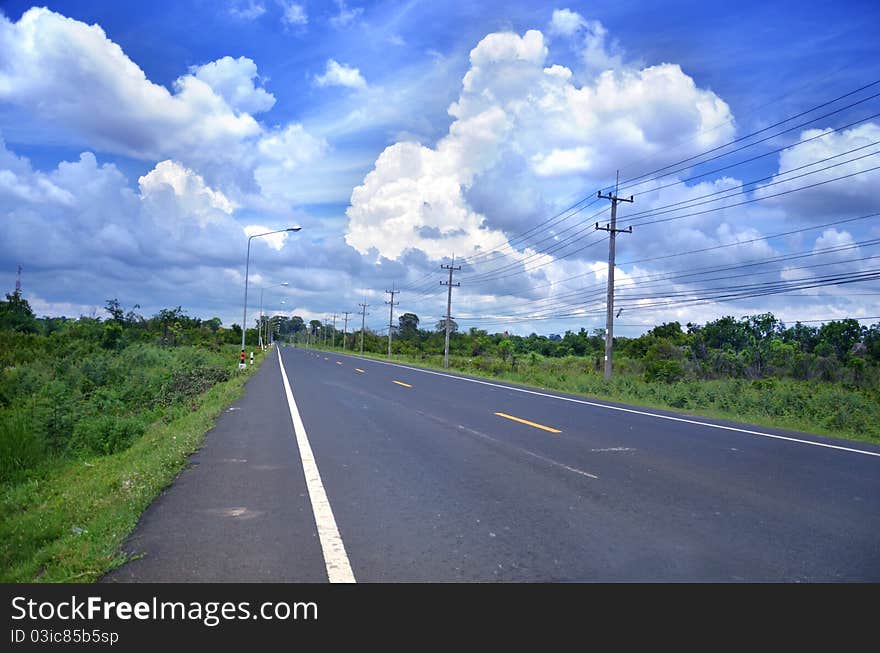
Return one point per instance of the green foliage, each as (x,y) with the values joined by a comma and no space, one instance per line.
(85,387)
(16,314)
(66,519)
(105,434)
(441,326)
(21,448)
(409,326)
(664,370)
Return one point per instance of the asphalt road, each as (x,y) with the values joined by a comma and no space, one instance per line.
(434,477)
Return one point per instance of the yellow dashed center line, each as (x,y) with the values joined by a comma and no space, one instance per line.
(525,421)
(357,369)
(405,385)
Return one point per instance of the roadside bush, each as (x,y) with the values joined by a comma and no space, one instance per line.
(106,434)
(187,383)
(660,370)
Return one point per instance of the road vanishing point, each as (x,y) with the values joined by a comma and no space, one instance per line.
(343,469)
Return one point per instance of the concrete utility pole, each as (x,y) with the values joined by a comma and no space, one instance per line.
(345,328)
(333,333)
(612,230)
(391,305)
(449,283)
(363,318)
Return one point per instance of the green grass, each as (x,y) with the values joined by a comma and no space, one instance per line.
(812,407)
(65,521)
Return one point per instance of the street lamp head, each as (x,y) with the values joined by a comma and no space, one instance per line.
(293,228)
(284,283)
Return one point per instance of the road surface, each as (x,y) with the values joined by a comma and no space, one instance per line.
(368,471)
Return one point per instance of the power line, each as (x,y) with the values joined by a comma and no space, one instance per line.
(731,293)
(755,133)
(757,199)
(643,221)
(700,250)
(655,278)
(668,208)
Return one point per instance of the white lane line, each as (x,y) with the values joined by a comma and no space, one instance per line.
(335,558)
(630,410)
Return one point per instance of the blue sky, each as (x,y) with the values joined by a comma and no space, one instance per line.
(143,141)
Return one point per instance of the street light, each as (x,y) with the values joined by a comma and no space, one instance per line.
(247,263)
(270,333)
(283,283)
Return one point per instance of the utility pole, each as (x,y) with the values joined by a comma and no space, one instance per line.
(449,283)
(333,333)
(391,305)
(363,318)
(612,230)
(18,281)
(345,328)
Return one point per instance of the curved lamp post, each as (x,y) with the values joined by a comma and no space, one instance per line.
(247,264)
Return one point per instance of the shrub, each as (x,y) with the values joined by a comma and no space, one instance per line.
(187,383)
(662,370)
(105,434)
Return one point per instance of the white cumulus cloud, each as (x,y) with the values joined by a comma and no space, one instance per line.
(275,241)
(191,196)
(233,80)
(851,152)
(337,74)
(566,22)
(521,118)
(48,62)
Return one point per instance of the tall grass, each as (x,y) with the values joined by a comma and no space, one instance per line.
(66,398)
(67,506)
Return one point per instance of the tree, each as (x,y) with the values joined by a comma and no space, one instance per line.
(838,338)
(872,342)
(214,323)
(16,314)
(170,319)
(807,337)
(505,349)
(409,325)
(726,333)
(669,331)
(441,326)
(115,309)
